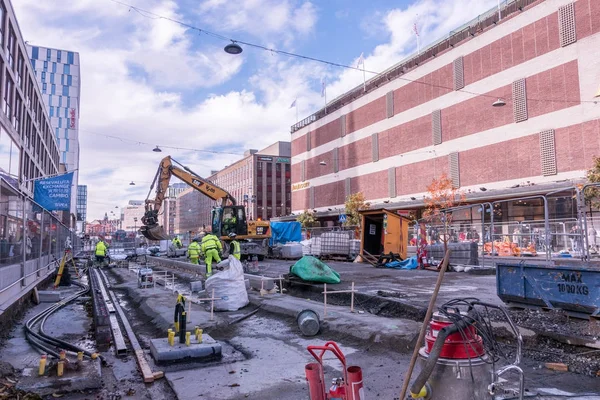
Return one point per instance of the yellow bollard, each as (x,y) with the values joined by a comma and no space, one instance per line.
(176,327)
(169,332)
(171,338)
(80,356)
(187,338)
(199,335)
(63,355)
(60,368)
(42,369)
(94,356)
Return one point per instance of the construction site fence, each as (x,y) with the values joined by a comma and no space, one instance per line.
(543,237)
(32,241)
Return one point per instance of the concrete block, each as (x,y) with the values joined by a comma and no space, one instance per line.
(255,282)
(196,286)
(88,376)
(49,296)
(207,350)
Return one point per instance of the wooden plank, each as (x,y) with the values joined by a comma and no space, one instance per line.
(144,367)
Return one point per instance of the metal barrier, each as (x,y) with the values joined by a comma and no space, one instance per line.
(30,239)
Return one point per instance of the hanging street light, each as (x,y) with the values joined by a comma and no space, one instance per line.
(499,103)
(233,48)
(157,149)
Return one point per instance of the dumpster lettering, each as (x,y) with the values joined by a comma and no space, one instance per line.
(574,284)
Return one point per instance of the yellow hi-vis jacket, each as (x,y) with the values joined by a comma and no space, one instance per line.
(194,250)
(211,242)
(101,249)
(236,250)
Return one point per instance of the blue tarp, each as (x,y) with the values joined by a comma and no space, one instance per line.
(283,232)
(409,263)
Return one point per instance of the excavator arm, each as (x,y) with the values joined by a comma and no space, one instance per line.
(151,228)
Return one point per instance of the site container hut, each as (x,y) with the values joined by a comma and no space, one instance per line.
(383,232)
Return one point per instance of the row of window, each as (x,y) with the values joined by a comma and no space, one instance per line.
(35,54)
(53,67)
(65,89)
(59,112)
(64,79)
(66,147)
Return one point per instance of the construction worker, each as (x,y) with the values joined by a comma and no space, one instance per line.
(234,248)
(194,251)
(177,242)
(101,250)
(211,247)
(229,223)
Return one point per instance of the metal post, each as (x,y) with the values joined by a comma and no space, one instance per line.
(585,255)
(547,229)
(23,244)
(352,299)
(41,249)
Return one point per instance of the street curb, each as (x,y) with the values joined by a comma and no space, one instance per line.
(395,334)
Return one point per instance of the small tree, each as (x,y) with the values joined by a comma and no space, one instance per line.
(307,219)
(592,194)
(442,195)
(355,203)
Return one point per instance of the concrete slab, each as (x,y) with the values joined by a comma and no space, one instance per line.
(49,296)
(209,349)
(256,282)
(77,377)
(397,333)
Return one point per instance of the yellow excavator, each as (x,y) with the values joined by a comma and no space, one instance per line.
(226,217)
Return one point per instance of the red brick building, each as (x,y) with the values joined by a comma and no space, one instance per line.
(433,114)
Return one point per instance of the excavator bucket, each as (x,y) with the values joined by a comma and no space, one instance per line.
(154,232)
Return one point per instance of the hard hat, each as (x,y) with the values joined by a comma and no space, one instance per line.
(232,235)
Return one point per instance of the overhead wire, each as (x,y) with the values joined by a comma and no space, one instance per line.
(154,16)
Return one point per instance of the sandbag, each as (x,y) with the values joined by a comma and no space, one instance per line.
(229,287)
(312,269)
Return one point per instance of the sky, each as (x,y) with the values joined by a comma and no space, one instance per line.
(147,79)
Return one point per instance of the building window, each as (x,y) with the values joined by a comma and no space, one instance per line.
(12,41)
(56,132)
(48,54)
(33,64)
(67,144)
(67,133)
(66,113)
(43,76)
(54,67)
(52,78)
(59,122)
(67,69)
(44,87)
(2,21)
(60,101)
(68,102)
(70,57)
(45,65)
(69,80)
(53,89)
(8,93)
(58,55)
(20,65)
(51,110)
(17,116)
(65,91)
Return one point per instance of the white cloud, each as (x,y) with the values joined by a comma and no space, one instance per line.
(156,107)
(261,18)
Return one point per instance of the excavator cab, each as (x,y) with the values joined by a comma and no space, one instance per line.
(228,219)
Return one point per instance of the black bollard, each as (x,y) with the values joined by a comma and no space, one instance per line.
(182,328)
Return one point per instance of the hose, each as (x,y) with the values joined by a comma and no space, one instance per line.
(434,355)
(41,340)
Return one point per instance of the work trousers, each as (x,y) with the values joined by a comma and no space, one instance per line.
(211,255)
(194,260)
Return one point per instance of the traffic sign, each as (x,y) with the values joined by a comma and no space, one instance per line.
(343,218)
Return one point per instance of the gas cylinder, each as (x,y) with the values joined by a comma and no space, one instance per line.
(462,367)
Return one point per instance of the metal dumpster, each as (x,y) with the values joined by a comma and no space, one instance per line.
(573,286)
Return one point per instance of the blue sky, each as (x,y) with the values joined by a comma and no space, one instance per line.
(150,80)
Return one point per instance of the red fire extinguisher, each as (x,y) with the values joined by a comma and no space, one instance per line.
(350,387)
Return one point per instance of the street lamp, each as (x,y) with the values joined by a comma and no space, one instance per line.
(233,48)
(157,149)
(135,225)
(132,183)
(499,103)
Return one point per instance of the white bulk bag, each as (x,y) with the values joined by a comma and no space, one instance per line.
(229,287)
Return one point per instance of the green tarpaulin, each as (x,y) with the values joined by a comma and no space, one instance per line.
(312,269)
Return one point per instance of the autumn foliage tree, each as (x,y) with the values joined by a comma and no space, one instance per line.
(307,219)
(355,203)
(592,194)
(442,195)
